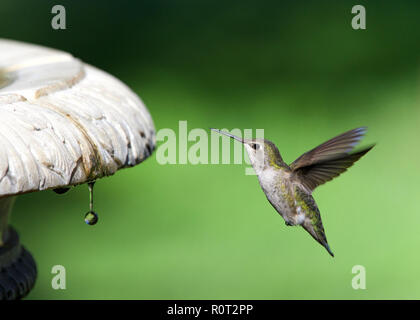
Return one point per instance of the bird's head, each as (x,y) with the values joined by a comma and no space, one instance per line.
(261,152)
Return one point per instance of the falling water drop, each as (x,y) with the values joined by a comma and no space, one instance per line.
(91,216)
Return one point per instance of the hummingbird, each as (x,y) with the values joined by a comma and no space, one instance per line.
(289,188)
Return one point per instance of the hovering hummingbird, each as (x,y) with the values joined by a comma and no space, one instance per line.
(289,187)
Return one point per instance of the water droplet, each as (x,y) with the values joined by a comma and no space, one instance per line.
(91,218)
(61,190)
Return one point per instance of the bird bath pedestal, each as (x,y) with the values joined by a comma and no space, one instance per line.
(62,123)
(17,267)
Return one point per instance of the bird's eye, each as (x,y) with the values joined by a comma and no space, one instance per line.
(255,146)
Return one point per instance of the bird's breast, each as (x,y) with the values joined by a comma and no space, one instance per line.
(275,185)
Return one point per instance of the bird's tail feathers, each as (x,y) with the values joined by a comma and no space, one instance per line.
(318,236)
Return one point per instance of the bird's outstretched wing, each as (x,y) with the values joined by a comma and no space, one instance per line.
(329,159)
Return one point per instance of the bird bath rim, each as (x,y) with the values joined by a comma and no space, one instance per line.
(5,79)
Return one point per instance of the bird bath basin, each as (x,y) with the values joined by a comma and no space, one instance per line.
(4,80)
(62,123)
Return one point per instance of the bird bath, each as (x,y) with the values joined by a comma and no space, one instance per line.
(4,80)
(62,123)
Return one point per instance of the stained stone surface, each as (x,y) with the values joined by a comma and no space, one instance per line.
(63,122)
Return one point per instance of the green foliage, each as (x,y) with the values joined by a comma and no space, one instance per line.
(297,70)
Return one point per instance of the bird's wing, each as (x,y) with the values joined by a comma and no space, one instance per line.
(329,159)
(341,144)
(316,174)
(313,223)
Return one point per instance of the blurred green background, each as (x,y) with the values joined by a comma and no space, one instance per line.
(295,69)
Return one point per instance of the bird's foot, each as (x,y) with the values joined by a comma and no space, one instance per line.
(288,224)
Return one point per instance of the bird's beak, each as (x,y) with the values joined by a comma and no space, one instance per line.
(229,135)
